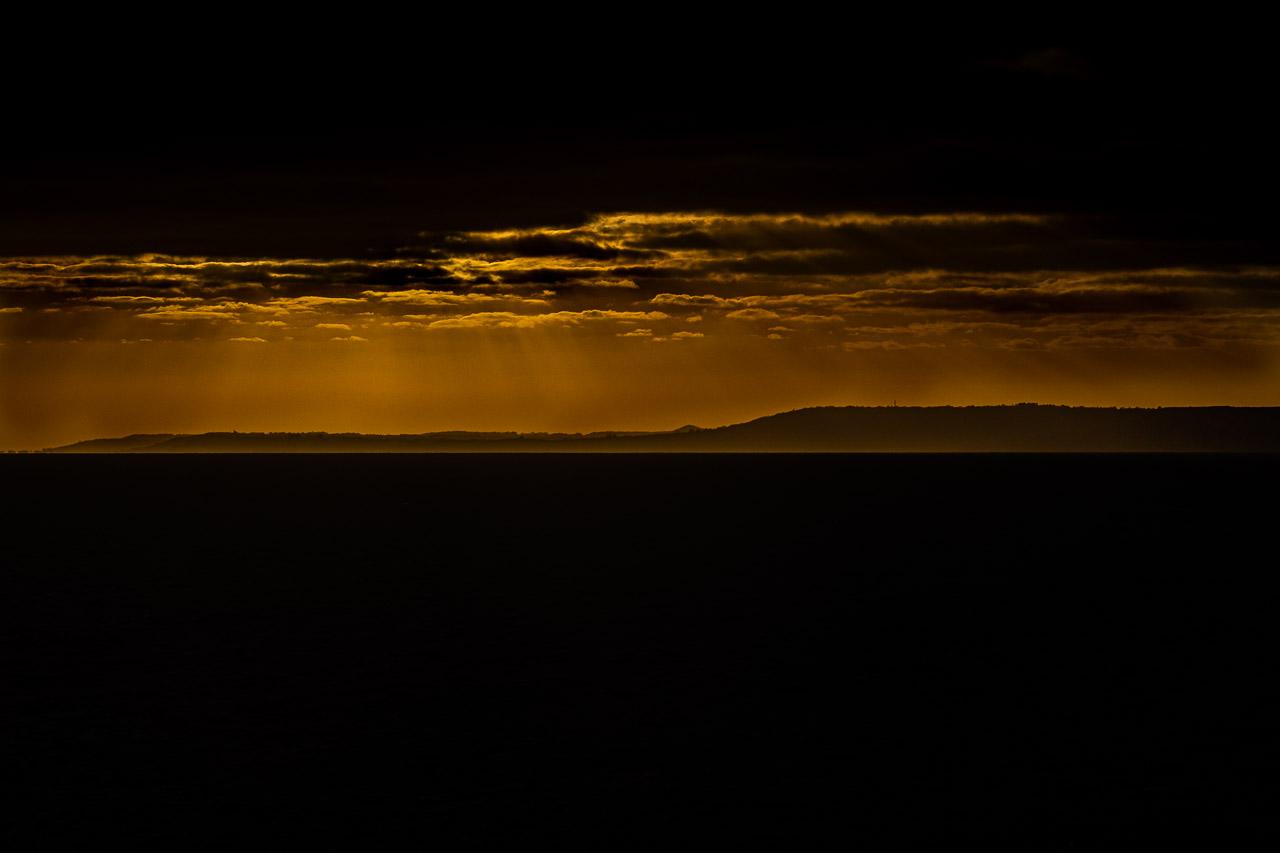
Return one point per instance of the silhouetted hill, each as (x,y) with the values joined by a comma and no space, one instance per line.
(1022,428)
(127,444)
(324,442)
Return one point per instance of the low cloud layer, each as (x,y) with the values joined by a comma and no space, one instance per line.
(845,281)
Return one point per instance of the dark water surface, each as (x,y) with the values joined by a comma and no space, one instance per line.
(632,648)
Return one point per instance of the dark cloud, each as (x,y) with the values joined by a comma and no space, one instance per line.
(528,245)
(816,275)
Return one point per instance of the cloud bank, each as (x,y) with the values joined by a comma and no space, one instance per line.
(846,281)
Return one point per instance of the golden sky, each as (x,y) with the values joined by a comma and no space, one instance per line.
(629,321)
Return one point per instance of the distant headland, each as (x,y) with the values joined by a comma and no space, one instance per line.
(1022,428)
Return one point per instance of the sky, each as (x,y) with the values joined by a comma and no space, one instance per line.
(720,239)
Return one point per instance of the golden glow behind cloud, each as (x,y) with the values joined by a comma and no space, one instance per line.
(627,321)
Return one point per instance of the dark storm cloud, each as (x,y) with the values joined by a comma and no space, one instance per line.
(701,246)
(526,245)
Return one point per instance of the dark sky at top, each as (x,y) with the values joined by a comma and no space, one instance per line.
(352,154)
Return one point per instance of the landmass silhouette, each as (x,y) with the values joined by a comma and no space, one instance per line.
(1022,428)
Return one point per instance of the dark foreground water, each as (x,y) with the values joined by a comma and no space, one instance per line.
(639,649)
